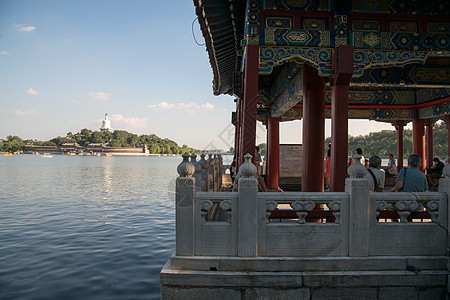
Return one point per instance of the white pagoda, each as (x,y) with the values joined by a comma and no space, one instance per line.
(106,124)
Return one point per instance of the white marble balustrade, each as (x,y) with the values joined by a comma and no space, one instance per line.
(236,224)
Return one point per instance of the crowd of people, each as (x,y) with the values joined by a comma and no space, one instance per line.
(409,179)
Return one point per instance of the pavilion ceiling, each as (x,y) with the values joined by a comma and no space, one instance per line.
(222,25)
(401,52)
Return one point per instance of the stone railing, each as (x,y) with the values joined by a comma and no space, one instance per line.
(208,173)
(237,224)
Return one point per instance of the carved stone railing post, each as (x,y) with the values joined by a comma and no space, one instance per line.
(216,173)
(184,201)
(359,225)
(198,172)
(247,209)
(204,164)
(210,173)
(221,171)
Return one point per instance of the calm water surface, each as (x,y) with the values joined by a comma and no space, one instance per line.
(87,227)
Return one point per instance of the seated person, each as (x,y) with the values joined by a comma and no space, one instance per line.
(362,159)
(392,167)
(375,175)
(411,179)
(435,172)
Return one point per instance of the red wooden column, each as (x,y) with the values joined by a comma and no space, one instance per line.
(273,153)
(313,130)
(241,130)
(447,124)
(250,102)
(339,116)
(399,128)
(238,133)
(419,138)
(429,142)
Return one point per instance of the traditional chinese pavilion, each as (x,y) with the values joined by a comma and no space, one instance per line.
(286,60)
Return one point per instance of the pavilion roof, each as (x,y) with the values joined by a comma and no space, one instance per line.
(222,25)
(396,86)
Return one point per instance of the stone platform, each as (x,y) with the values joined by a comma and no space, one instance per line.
(392,284)
(246,255)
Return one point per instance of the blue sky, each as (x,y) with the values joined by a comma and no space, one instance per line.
(64,64)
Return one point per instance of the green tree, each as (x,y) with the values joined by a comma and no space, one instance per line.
(58,141)
(154,149)
(262,149)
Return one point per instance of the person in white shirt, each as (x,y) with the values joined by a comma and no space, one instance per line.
(362,159)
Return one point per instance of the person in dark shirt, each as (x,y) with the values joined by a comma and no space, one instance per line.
(435,172)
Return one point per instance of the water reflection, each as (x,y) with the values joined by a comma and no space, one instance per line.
(85,227)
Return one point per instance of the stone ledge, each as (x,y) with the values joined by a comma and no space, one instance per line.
(294,264)
(188,278)
(375,279)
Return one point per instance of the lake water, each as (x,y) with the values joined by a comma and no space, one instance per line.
(85,227)
(74,227)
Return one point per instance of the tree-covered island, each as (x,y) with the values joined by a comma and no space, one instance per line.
(118,138)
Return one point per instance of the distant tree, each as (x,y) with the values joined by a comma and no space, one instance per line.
(154,149)
(58,141)
(167,150)
(440,139)
(86,132)
(385,142)
(262,149)
(14,144)
(10,138)
(119,138)
(133,140)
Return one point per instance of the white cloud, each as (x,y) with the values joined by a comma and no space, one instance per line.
(4,52)
(20,112)
(119,121)
(99,95)
(32,92)
(76,101)
(207,106)
(190,107)
(161,105)
(25,28)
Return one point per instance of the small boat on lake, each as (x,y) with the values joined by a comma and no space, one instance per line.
(46,155)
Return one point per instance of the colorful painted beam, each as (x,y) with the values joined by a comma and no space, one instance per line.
(410,75)
(321,58)
(287,90)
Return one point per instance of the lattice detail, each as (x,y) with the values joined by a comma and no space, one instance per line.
(205,205)
(381,205)
(335,206)
(404,209)
(433,210)
(302,207)
(270,207)
(226,205)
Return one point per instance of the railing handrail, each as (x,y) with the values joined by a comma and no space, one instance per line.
(303,196)
(216,195)
(415,196)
